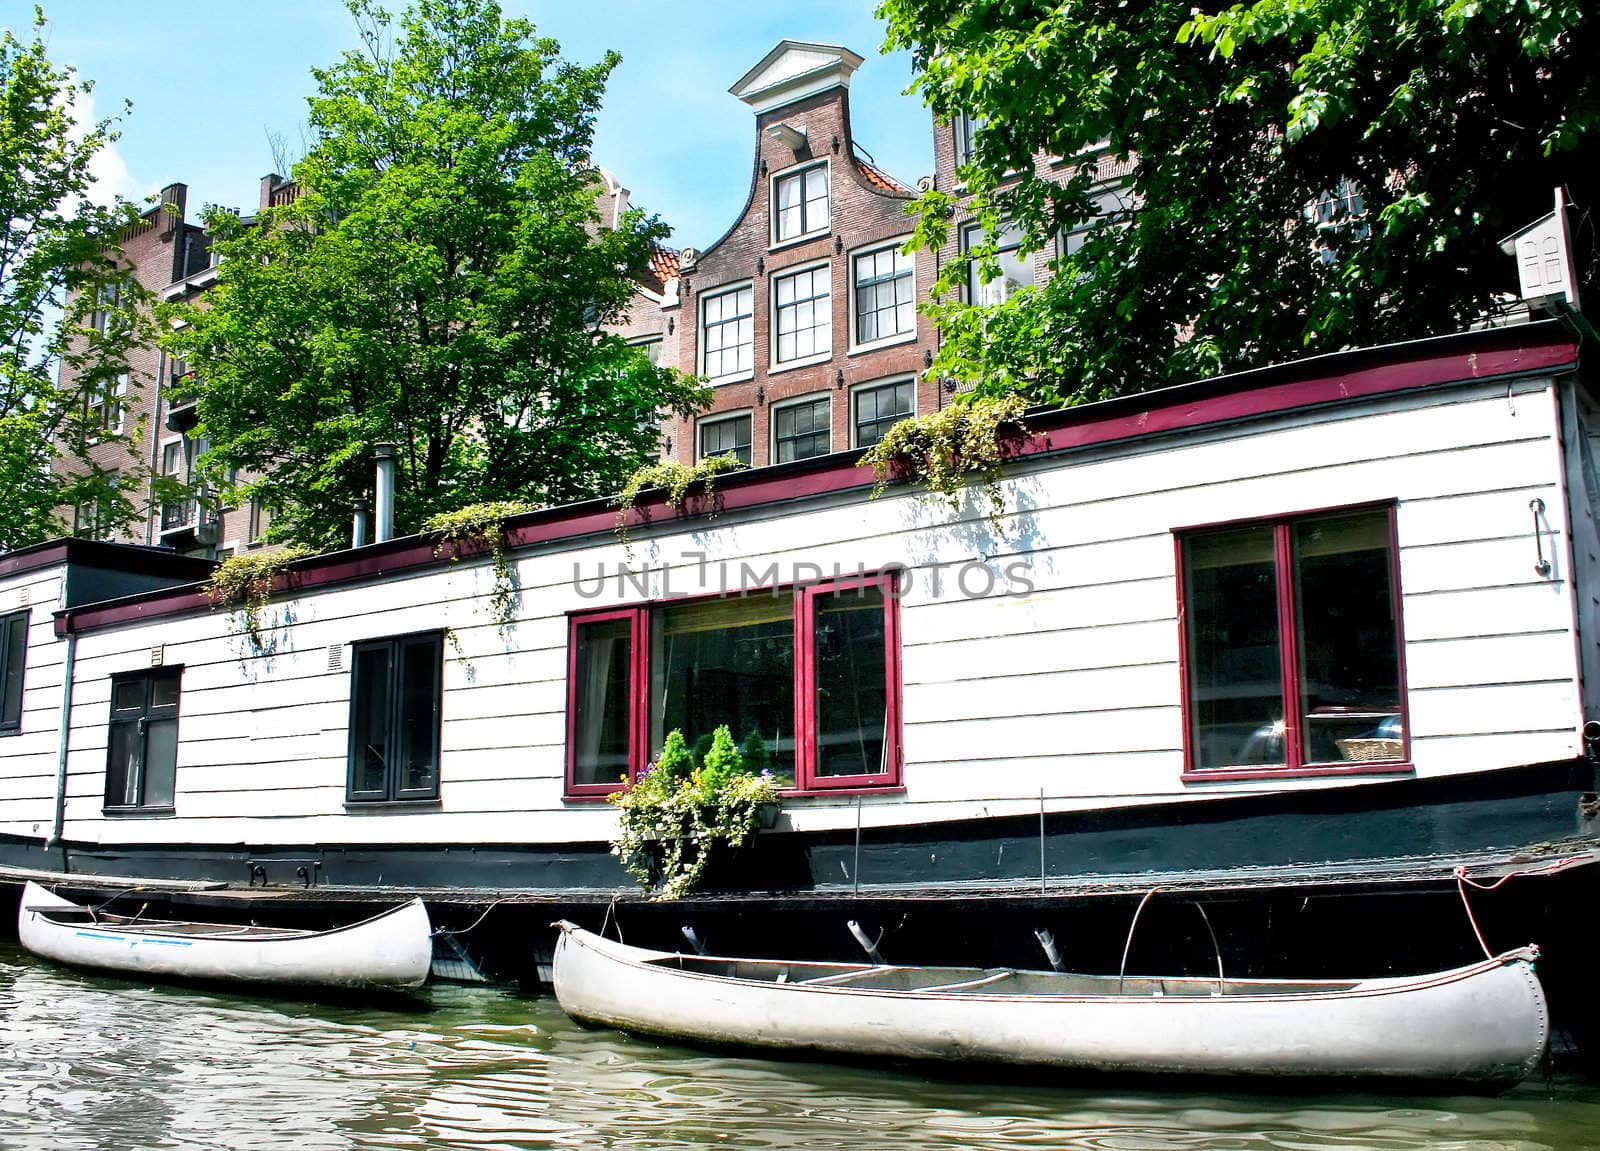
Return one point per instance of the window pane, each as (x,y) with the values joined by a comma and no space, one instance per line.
(122,770)
(879,409)
(370,720)
(160,762)
(419,711)
(128,695)
(164,690)
(13,655)
(802,431)
(603,660)
(852,684)
(1235,673)
(727,661)
(1349,668)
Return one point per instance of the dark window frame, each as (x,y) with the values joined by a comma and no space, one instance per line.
(392,793)
(824,400)
(1295,765)
(856,438)
(7,621)
(805,596)
(748,455)
(147,712)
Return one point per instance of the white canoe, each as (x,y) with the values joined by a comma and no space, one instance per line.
(1484,1023)
(390,951)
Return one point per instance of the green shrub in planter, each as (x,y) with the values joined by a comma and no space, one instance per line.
(682,811)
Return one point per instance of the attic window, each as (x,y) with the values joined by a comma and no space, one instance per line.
(800,203)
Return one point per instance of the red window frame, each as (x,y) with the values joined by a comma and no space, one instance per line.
(1294,765)
(805,600)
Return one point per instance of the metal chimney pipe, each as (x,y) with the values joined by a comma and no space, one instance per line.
(358,526)
(384,504)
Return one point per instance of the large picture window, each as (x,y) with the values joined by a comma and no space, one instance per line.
(13,662)
(803,309)
(142,742)
(394,718)
(1291,645)
(727,333)
(807,680)
(800,203)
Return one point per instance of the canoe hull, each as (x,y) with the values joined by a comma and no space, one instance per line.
(1484,1024)
(389,952)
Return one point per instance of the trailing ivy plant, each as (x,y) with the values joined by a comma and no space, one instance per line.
(944,450)
(677,478)
(243,584)
(480,524)
(681,812)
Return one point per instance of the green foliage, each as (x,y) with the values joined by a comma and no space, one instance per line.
(681,812)
(244,584)
(676,478)
(442,281)
(1453,119)
(479,524)
(946,449)
(59,262)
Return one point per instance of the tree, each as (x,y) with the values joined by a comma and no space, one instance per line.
(1310,174)
(440,282)
(67,315)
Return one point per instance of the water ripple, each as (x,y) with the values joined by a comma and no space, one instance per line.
(94,1063)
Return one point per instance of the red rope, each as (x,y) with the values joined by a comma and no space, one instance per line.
(1462,880)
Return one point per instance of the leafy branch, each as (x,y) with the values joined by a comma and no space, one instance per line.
(244,584)
(677,479)
(944,450)
(480,525)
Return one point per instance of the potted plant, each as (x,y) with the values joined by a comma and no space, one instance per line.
(684,810)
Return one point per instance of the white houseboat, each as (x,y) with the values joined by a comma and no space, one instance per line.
(1326,622)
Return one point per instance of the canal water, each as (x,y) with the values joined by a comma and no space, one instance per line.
(87,1062)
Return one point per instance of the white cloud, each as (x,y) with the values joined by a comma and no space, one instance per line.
(107,170)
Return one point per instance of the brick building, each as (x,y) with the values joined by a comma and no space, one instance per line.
(802,316)
(171,258)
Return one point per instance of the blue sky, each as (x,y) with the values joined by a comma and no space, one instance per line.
(208,78)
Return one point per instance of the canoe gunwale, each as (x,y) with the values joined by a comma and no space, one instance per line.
(1337,988)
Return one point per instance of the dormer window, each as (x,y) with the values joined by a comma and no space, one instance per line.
(800,203)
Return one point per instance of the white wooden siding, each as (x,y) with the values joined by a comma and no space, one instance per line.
(1071,690)
(28,757)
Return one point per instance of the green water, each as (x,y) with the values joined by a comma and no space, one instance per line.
(87,1062)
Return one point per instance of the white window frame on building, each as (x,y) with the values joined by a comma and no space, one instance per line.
(1113,211)
(821,333)
(723,350)
(815,400)
(106,405)
(905,275)
(874,387)
(651,346)
(964,130)
(748,446)
(983,291)
(803,177)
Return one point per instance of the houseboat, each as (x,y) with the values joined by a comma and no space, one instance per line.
(1321,627)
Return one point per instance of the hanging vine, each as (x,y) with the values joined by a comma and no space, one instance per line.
(479,524)
(944,450)
(244,583)
(677,479)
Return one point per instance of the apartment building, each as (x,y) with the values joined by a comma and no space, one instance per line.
(171,258)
